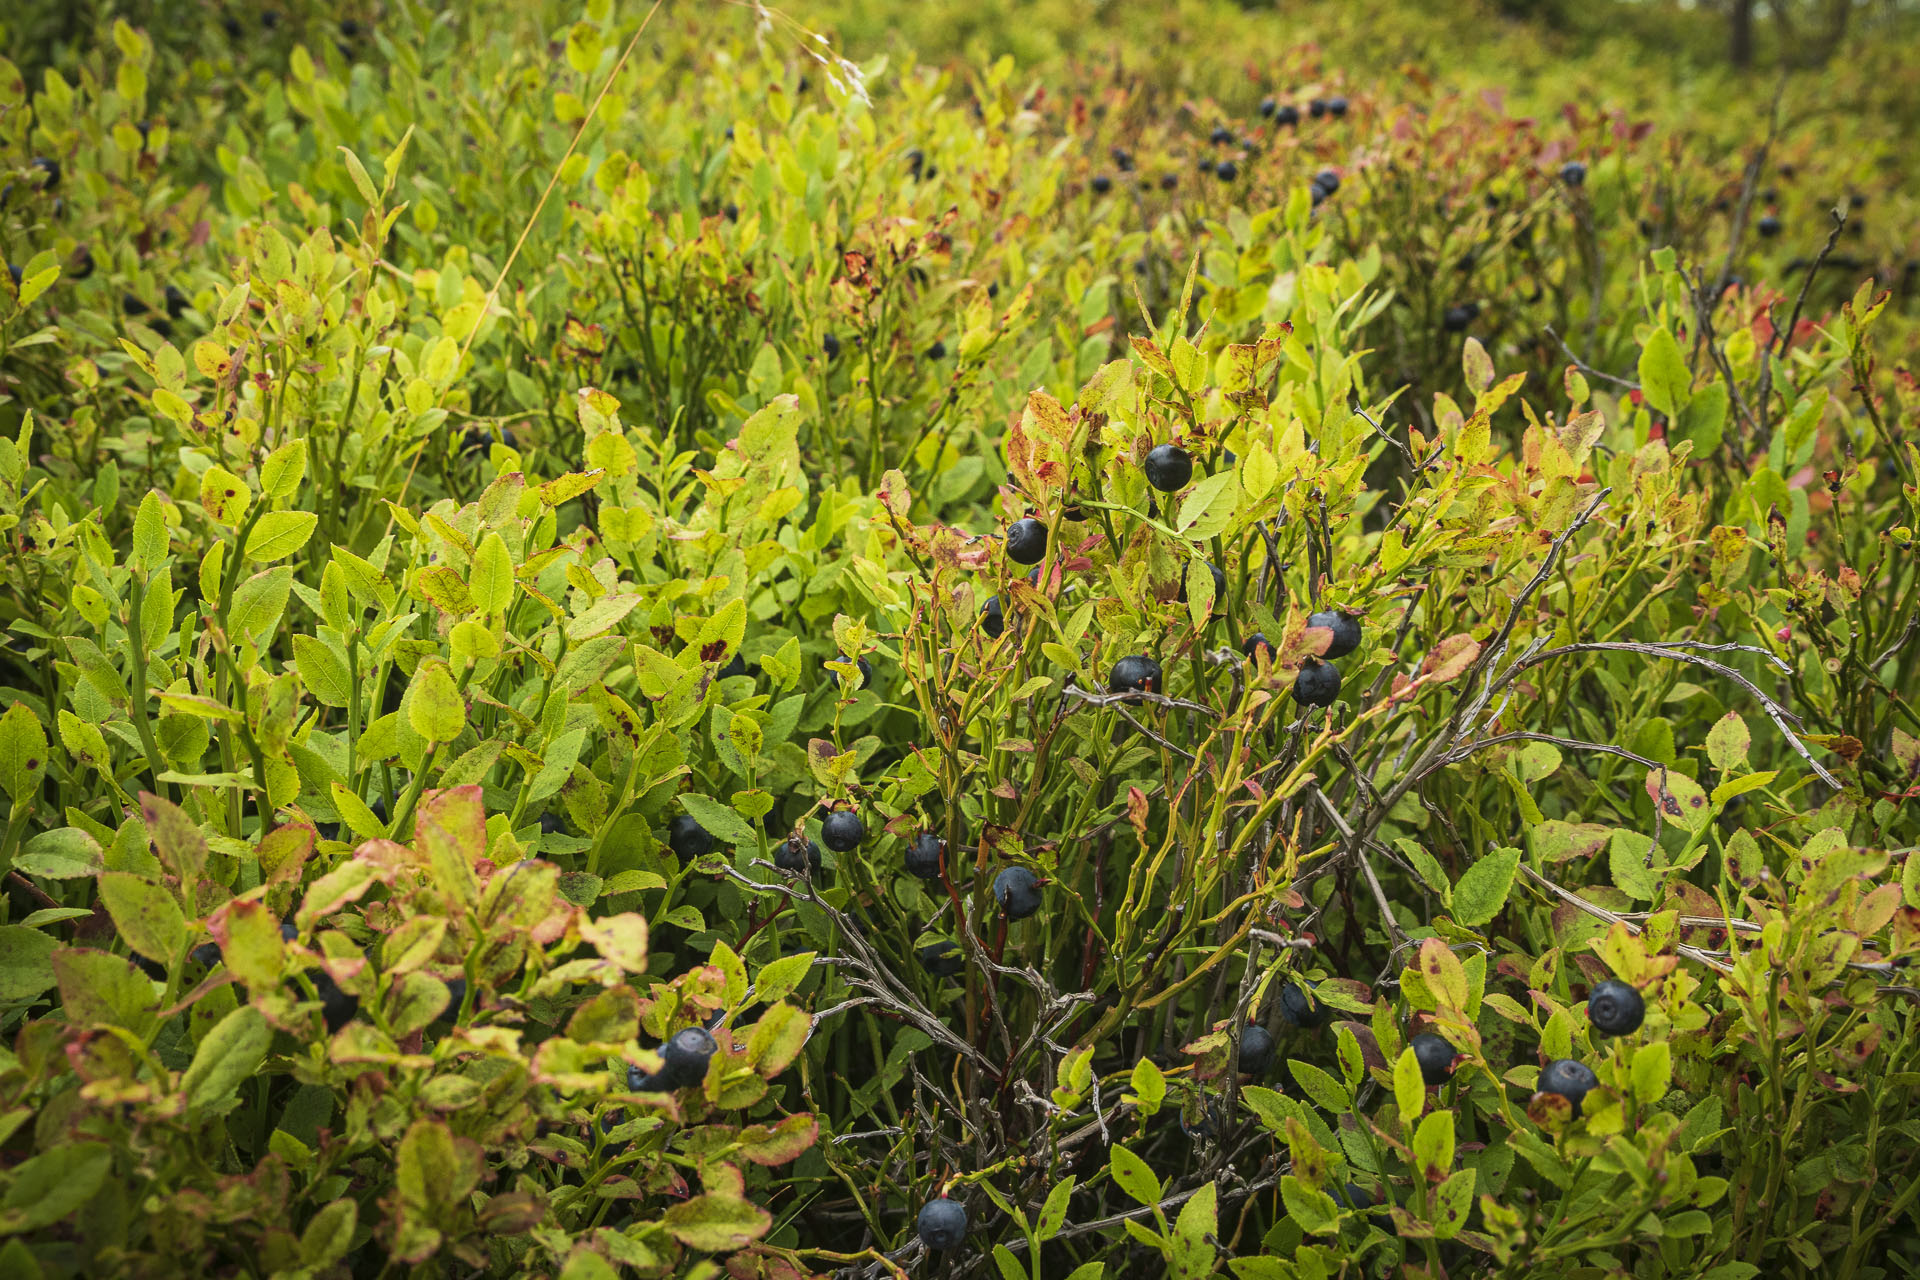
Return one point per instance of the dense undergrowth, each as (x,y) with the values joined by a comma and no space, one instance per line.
(634,648)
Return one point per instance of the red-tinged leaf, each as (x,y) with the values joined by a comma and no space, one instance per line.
(776,1040)
(717,1224)
(1445,977)
(100,989)
(250,945)
(1450,658)
(780,1143)
(177,841)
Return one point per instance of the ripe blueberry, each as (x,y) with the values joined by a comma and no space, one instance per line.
(1346,631)
(1168,467)
(797,855)
(337,1008)
(51,168)
(1026,541)
(842,831)
(1573,173)
(688,839)
(942,959)
(1135,674)
(1435,1057)
(1336,107)
(1456,319)
(1221,135)
(1226,171)
(1256,1050)
(1327,180)
(830,345)
(1298,1006)
(1316,108)
(1122,159)
(923,856)
(942,1224)
(1268,106)
(1288,115)
(1571,1080)
(1168,181)
(1616,1008)
(1256,642)
(684,1059)
(866,671)
(938,351)
(993,618)
(1219,587)
(1768,227)
(1317,685)
(1101,184)
(1018,892)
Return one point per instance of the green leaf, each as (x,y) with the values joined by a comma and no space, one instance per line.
(26,962)
(1740,786)
(1451,1201)
(323,670)
(330,1234)
(1627,855)
(225,1059)
(281,473)
(1310,1207)
(279,534)
(1652,1069)
(99,989)
(776,1040)
(144,914)
(224,496)
(52,1185)
(601,617)
(1409,1086)
(361,182)
(783,976)
(1433,1142)
(1131,1175)
(719,821)
(1193,1252)
(435,708)
(1663,373)
(1483,890)
(1053,1215)
(434,1170)
(259,601)
(64,853)
(1149,1086)
(1321,1089)
(491,582)
(1727,743)
(23,753)
(149,534)
(716,1223)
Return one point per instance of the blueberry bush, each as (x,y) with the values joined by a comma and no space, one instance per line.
(691,641)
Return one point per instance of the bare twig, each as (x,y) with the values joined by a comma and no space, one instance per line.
(1783,720)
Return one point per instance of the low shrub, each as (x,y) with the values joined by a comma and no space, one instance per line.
(633,647)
